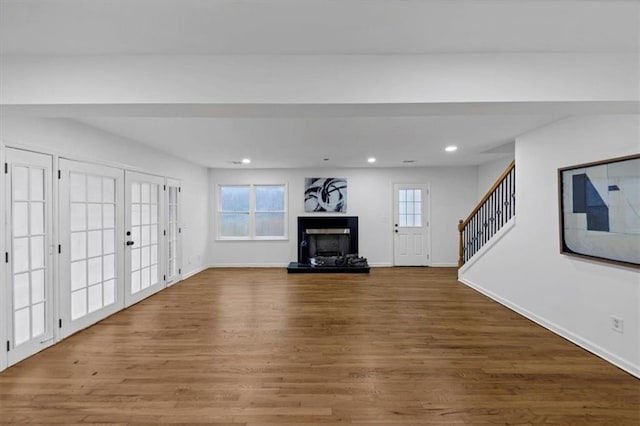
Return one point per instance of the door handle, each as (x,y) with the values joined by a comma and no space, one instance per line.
(130,243)
(396,231)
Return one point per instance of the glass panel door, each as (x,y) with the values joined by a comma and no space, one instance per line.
(29,283)
(174,231)
(411,228)
(144,235)
(92,252)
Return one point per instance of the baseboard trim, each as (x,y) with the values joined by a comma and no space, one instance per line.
(192,273)
(280,265)
(248,265)
(277,265)
(560,331)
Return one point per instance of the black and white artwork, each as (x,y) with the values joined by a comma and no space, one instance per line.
(325,195)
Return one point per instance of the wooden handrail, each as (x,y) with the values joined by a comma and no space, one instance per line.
(463,223)
(491,218)
(460,244)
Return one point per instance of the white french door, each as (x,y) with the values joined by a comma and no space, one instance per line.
(144,230)
(411,225)
(29,283)
(92,244)
(173,231)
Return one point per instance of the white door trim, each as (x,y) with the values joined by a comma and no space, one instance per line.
(3,266)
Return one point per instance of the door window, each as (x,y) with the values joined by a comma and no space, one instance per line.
(28,253)
(410,207)
(144,233)
(93,243)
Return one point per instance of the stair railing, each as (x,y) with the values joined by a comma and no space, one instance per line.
(492,212)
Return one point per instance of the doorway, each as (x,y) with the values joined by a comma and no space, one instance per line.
(91,251)
(411,225)
(173,231)
(144,236)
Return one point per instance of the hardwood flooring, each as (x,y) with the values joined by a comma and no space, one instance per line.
(260,347)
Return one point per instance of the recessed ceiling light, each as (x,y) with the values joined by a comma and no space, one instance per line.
(371,159)
(451,148)
(246,160)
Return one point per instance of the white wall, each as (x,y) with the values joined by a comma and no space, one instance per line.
(525,270)
(71,139)
(489,172)
(370,197)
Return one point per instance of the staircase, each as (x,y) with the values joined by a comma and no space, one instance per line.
(492,212)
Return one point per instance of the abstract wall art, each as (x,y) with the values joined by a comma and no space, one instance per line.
(325,195)
(600,210)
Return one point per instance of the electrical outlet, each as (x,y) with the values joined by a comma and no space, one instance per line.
(617,324)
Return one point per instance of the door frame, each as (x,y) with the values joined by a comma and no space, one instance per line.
(11,356)
(3,266)
(426,215)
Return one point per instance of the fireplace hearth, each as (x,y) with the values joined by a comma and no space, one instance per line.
(328,244)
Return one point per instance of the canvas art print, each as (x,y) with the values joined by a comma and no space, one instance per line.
(325,195)
(600,210)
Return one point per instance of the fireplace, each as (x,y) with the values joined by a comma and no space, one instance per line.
(328,237)
(328,242)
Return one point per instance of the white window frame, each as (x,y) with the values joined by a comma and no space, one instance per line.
(252,213)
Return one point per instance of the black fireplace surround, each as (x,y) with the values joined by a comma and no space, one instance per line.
(337,234)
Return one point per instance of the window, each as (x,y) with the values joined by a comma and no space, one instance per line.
(410,207)
(234,211)
(252,211)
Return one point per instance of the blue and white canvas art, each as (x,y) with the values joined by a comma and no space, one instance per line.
(325,195)
(600,215)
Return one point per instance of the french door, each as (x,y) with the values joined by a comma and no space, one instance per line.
(29,284)
(411,226)
(92,244)
(173,231)
(144,236)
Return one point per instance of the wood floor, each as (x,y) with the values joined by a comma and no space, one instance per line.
(260,347)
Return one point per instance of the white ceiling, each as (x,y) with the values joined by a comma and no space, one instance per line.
(347,142)
(110,27)
(178,27)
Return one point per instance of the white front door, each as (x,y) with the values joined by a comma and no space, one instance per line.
(173,231)
(411,225)
(144,236)
(92,244)
(29,281)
